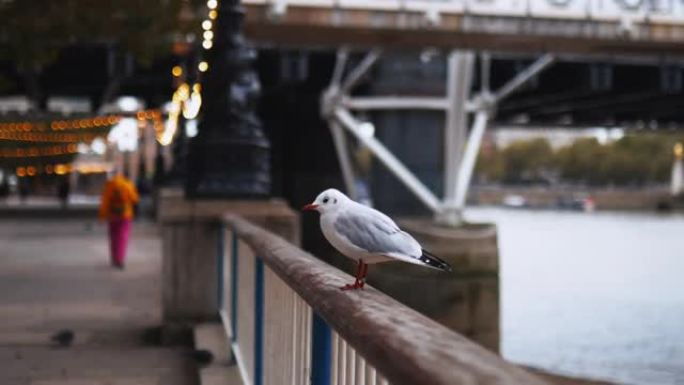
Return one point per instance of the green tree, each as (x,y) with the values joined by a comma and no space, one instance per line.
(33,32)
(582,161)
(527,160)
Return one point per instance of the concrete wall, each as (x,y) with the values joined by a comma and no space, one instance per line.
(190,235)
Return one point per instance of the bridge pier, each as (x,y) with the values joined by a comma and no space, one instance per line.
(466,300)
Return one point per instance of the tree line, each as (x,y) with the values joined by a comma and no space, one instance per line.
(633,160)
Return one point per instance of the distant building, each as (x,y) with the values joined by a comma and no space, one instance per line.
(558,137)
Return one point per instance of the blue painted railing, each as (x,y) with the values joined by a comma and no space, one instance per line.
(299,328)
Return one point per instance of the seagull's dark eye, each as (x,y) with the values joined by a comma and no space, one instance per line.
(325,200)
(335,200)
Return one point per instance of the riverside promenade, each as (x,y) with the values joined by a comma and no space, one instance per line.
(55,275)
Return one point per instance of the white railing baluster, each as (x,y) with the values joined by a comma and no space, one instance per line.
(293,331)
(370,375)
(351,365)
(245,316)
(335,356)
(307,343)
(360,370)
(342,363)
(301,349)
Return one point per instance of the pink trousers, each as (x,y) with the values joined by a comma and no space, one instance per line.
(119,230)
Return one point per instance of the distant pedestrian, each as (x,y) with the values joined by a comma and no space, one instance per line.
(24,189)
(63,192)
(118,198)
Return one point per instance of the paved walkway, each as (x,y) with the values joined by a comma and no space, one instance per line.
(54,275)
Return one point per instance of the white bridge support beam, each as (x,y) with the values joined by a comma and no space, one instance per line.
(342,149)
(460,155)
(389,160)
(459,80)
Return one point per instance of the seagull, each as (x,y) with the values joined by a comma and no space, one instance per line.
(366,235)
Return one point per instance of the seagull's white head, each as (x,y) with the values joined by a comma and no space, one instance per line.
(328,201)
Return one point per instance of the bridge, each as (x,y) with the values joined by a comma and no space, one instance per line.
(574,65)
(600,27)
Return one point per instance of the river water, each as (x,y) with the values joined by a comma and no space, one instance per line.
(596,295)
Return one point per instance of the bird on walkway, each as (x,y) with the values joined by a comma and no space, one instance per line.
(367,236)
(201,356)
(63,338)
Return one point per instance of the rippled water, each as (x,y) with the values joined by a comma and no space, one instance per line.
(596,295)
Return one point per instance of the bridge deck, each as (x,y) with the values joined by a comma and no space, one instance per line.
(586,27)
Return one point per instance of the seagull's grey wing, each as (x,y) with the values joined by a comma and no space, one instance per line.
(375,233)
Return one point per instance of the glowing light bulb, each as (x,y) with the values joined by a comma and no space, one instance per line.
(203,66)
(207,44)
(177,71)
(206,25)
(208,35)
(213,14)
(212,4)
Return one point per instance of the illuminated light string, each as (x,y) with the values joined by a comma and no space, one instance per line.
(39,132)
(61,169)
(59,125)
(32,152)
(183,100)
(49,137)
(73,124)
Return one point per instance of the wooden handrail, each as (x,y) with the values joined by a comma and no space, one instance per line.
(402,344)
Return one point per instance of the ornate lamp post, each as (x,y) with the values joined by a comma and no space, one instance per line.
(229,158)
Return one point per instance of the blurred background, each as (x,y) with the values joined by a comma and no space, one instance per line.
(556,125)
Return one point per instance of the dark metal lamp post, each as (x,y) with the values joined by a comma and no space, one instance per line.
(229,157)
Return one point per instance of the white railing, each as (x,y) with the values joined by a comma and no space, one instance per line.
(288,323)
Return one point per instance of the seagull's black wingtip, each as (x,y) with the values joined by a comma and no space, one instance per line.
(433,261)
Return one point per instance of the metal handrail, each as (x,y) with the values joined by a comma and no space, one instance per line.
(403,345)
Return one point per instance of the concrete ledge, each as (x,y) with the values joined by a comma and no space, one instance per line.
(212,337)
(220,375)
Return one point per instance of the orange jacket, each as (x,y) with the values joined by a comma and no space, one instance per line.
(118,197)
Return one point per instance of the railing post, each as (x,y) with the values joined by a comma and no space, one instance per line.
(258,321)
(220,256)
(321,352)
(234,286)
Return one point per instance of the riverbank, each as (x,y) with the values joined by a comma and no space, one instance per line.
(604,198)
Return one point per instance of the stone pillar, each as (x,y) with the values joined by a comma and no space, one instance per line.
(190,231)
(466,300)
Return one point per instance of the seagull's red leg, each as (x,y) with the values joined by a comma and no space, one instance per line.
(364,272)
(358,283)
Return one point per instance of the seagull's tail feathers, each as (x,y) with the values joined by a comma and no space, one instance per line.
(430,260)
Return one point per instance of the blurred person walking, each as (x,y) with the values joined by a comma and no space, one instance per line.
(63,191)
(117,207)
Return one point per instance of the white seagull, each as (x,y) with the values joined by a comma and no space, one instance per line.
(366,235)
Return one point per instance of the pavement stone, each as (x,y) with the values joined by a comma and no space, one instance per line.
(54,275)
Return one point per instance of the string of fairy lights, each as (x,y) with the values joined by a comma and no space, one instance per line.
(60,169)
(59,125)
(188,100)
(69,133)
(32,152)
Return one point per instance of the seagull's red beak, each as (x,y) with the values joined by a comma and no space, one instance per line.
(310,207)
